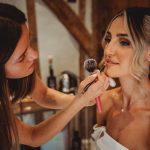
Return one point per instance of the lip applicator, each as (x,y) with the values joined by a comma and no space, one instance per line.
(91,65)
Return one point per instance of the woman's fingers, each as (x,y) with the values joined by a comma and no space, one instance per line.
(86,82)
(104,81)
(97,88)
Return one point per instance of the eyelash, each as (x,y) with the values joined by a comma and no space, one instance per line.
(123,42)
(22,58)
(107,40)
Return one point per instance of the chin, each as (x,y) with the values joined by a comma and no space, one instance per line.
(28,74)
(18,76)
(108,73)
(111,74)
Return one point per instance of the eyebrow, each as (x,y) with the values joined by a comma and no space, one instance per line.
(118,35)
(122,34)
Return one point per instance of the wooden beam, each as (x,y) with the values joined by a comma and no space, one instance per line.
(98,26)
(72,22)
(82,4)
(82,116)
(139,3)
(32,26)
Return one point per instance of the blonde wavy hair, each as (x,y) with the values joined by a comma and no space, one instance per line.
(137,24)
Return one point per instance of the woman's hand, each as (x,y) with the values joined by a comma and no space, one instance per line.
(98,87)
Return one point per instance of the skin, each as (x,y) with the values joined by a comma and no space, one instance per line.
(22,64)
(22,61)
(130,127)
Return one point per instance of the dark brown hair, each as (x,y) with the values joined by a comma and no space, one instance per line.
(11,90)
(10,33)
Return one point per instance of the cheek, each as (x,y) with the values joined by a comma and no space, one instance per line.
(125,61)
(126,56)
(14,71)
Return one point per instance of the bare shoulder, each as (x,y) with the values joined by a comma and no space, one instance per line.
(108,99)
(39,90)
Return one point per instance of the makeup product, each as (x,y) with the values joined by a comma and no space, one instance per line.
(91,65)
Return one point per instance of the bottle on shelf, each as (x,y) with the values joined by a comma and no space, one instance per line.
(68,82)
(51,80)
(65,83)
(76,141)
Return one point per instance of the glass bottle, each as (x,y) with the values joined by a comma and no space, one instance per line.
(51,80)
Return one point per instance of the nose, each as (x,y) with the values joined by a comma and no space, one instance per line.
(32,54)
(110,48)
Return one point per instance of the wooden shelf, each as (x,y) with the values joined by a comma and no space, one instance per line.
(27,105)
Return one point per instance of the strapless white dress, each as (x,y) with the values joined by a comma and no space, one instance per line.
(104,141)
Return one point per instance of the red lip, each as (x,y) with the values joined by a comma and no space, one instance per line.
(108,61)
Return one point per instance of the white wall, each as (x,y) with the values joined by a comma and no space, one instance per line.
(55,40)
(21,4)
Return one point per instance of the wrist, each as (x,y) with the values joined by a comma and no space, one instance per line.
(79,102)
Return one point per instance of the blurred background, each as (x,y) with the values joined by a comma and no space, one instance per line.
(65,33)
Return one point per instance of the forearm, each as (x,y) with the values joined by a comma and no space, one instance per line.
(44,131)
(55,100)
(49,98)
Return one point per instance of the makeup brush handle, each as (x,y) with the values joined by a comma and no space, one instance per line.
(88,85)
(99,104)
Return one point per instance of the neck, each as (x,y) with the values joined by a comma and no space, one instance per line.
(131,91)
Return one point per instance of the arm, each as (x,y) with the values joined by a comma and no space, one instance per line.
(49,98)
(44,131)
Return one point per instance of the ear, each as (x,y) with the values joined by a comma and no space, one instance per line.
(148,55)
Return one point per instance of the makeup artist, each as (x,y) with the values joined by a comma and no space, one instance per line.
(19,79)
